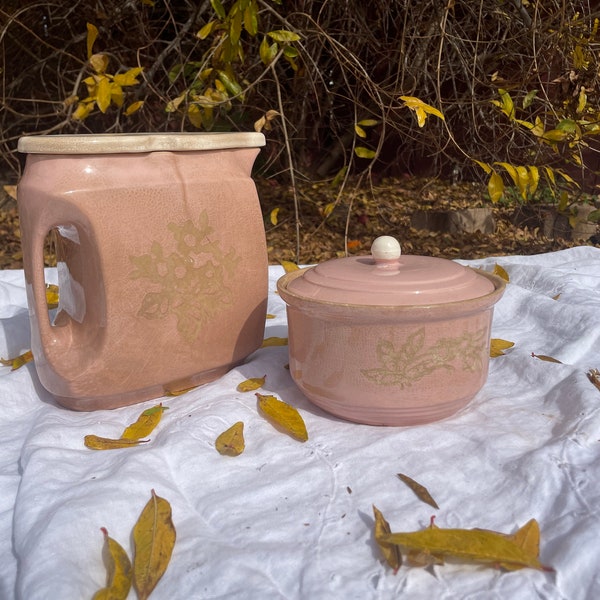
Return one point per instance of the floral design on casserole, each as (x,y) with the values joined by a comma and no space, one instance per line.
(404,364)
(189,279)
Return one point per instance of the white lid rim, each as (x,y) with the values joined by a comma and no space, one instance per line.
(130,143)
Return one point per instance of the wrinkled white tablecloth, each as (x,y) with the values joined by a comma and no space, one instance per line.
(292,520)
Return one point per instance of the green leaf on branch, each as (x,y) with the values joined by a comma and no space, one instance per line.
(283,36)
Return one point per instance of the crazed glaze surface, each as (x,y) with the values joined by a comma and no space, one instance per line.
(162,270)
(386,364)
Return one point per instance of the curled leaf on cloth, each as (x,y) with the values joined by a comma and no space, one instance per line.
(594,377)
(282,416)
(118,571)
(154,539)
(497,347)
(18,361)
(420,491)
(132,435)
(249,385)
(231,441)
(435,545)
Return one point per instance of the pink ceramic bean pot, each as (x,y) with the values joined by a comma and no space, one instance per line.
(390,339)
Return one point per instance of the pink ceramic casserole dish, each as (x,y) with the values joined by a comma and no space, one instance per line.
(390,339)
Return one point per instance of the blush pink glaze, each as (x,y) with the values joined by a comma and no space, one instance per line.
(162,262)
(394,342)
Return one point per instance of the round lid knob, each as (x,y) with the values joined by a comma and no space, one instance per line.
(385,248)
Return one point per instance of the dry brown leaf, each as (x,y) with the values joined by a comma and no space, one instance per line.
(11,190)
(594,377)
(546,358)
(421,492)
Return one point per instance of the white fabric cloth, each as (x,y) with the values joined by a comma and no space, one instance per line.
(287,520)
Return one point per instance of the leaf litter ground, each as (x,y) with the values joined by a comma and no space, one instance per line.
(384,208)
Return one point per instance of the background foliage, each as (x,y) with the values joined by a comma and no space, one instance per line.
(324,80)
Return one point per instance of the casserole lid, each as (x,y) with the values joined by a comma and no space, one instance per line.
(388,278)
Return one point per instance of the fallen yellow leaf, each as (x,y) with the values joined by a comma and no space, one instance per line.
(283,416)
(501,272)
(18,361)
(249,385)
(274,341)
(491,548)
(118,571)
(231,441)
(52,296)
(289,266)
(497,347)
(95,442)
(145,423)
(154,539)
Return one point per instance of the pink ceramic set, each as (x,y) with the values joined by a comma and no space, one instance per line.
(162,272)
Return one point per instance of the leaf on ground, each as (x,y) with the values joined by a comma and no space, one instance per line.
(501,272)
(270,316)
(274,341)
(118,571)
(154,539)
(546,358)
(481,546)
(18,361)
(249,385)
(95,442)
(497,347)
(231,442)
(282,416)
(594,377)
(420,491)
(145,424)
(390,552)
